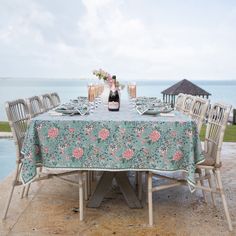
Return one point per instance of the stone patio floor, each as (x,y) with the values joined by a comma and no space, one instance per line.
(48,210)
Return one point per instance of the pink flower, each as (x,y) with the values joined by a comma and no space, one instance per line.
(46,149)
(53,132)
(173,133)
(78,153)
(71,130)
(155,136)
(177,156)
(128,154)
(103,134)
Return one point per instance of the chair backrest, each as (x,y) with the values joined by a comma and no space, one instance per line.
(187,103)
(179,101)
(35,106)
(216,125)
(18,117)
(55,99)
(198,111)
(47,102)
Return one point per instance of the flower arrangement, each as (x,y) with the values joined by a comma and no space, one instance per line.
(105,76)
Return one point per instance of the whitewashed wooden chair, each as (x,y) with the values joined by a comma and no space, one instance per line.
(18,117)
(217,121)
(55,99)
(216,125)
(198,111)
(35,106)
(179,101)
(39,105)
(47,102)
(187,103)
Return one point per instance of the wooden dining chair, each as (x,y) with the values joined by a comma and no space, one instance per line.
(18,117)
(179,101)
(55,99)
(207,170)
(187,104)
(47,102)
(35,106)
(210,168)
(198,111)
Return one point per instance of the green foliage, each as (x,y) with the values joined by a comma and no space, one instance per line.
(4,126)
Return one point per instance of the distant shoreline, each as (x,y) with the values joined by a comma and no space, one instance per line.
(126,80)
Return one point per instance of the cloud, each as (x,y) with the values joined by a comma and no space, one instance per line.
(132,39)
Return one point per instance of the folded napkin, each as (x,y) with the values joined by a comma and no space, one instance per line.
(167,114)
(54,113)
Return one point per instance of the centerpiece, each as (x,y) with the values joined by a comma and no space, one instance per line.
(104,76)
(107,83)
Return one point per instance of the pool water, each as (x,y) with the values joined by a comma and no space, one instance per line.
(7,157)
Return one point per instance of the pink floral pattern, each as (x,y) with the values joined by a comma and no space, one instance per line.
(173,133)
(103,134)
(154,136)
(78,153)
(53,133)
(71,130)
(177,156)
(128,154)
(112,141)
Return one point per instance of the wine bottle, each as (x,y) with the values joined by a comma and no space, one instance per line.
(114,98)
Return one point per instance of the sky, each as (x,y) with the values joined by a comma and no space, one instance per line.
(134,39)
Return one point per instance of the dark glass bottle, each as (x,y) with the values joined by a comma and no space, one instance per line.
(114,98)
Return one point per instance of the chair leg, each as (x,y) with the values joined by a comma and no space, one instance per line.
(218,177)
(27,190)
(9,201)
(81,207)
(202,184)
(210,182)
(150,206)
(18,168)
(22,192)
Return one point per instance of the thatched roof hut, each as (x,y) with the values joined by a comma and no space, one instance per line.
(183,86)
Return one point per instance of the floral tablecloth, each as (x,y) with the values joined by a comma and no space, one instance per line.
(112,141)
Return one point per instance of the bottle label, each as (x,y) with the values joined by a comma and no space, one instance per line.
(113,105)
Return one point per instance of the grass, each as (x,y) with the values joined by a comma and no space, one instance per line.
(230,133)
(4,126)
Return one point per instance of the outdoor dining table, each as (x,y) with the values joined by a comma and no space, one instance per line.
(113,142)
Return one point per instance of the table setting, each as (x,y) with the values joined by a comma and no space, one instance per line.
(152,106)
(79,106)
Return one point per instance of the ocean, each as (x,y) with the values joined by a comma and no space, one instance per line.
(14,88)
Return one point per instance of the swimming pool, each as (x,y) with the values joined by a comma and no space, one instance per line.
(7,157)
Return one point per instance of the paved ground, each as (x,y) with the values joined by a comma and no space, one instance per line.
(5,135)
(48,210)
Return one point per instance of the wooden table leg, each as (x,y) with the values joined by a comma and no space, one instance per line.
(101,190)
(104,185)
(127,190)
